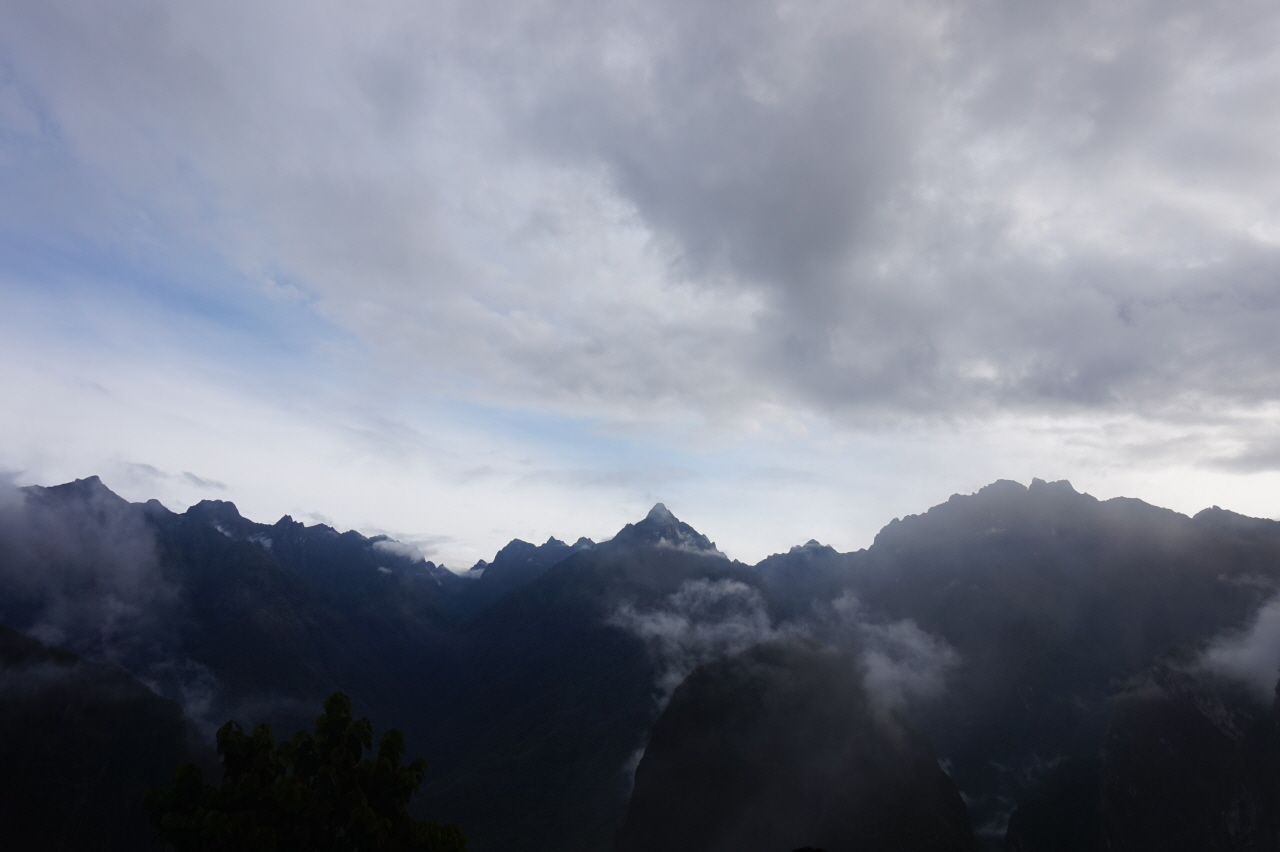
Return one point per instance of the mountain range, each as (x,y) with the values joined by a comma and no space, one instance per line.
(1025,668)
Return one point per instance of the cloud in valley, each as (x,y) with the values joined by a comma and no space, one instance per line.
(81,572)
(703,621)
(1252,654)
(706,620)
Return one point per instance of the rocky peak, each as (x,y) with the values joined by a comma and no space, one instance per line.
(214,511)
(661,528)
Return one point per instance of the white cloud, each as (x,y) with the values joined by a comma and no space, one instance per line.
(706,620)
(903,663)
(702,621)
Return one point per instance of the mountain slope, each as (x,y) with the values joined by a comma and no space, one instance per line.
(1052,600)
(80,743)
(554,699)
(779,747)
(1001,625)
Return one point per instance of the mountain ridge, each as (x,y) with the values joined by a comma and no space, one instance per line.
(998,623)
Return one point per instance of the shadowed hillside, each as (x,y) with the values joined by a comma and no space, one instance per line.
(779,747)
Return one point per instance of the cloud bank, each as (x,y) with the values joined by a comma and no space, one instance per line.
(888,208)
(705,620)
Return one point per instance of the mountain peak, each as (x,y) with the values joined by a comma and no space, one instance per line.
(812,546)
(661,514)
(215,512)
(88,489)
(661,528)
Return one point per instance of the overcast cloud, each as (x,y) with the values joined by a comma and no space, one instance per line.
(471,239)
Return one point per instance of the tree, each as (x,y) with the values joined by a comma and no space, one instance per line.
(314,793)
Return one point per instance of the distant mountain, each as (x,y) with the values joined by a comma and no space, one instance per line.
(224,614)
(780,747)
(1007,628)
(661,529)
(515,565)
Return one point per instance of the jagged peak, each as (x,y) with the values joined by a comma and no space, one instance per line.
(811,546)
(221,510)
(661,513)
(661,528)
(89,488)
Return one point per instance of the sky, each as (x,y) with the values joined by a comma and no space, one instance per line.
(459,272)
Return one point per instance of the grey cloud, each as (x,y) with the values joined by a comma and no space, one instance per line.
(635,211)
(868,180)
(399,548)
(901,662)
(1259,456)
(150,474)
(201,482)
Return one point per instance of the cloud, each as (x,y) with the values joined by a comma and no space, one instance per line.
(882,209)
(705,620)
(903,663)
(82,572)
(154,476)
(463,236)
(79,569)
(1251,655)
(700,622)
(201,482)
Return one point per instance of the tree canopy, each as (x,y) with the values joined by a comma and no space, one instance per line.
(316,792)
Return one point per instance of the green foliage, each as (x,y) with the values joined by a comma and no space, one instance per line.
(314,793)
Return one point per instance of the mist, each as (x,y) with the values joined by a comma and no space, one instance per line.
(82,571)
(706,620)
(1251,655)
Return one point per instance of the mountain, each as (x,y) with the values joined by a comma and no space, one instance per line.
(516,564)
(662,529)
(780,747)
(80,743)
(1051,600)
(554,696)
(228,616)
(1006,629)
(1190,761)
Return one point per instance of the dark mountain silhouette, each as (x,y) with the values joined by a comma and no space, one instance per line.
(1051,599)
(779,747)
(300,612)
(514,565)
(552,699)
(660,528)
(1190,761)
(80,743)
(1006,627)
